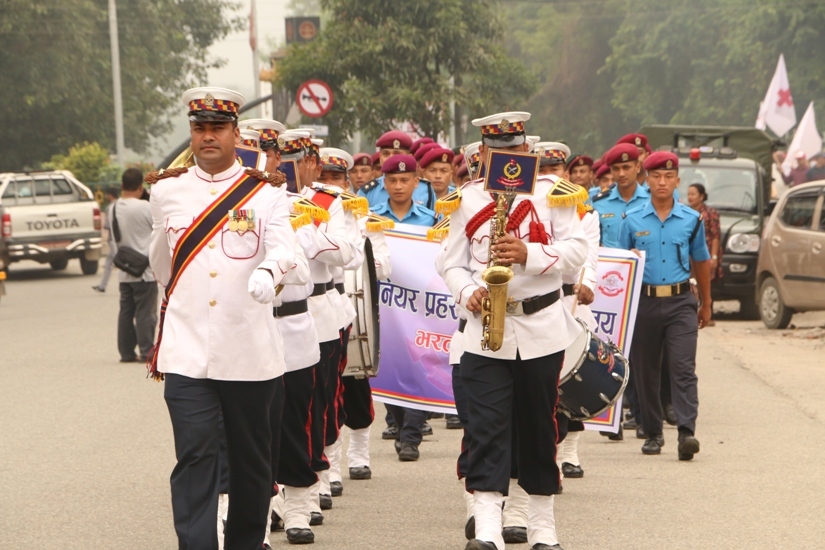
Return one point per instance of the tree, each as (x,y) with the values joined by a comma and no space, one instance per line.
(86,161)
(389,62)
(55,74)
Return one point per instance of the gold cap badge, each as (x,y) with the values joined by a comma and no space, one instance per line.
(625,158)
(396,144)
(402,166)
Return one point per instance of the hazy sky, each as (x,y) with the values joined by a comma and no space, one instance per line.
(237,72)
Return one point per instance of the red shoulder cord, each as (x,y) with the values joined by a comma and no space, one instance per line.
(537,231)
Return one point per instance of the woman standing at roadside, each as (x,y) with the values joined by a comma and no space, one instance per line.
(697,196)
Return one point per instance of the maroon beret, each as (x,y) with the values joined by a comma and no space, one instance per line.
(639,140)
(375,158)
(399,164)
(602,170)
(648,149)
(362,159)
(396,139)
(662,160)
(418,143)
(598,164)
(439,154)
(463,171)
(424,149)
(623,152)
(580,160)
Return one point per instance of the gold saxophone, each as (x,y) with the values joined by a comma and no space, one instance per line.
(496,276)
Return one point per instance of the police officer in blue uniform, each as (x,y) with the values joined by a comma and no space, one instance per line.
(400,180)
(395,143)
(673,238)
(623,160)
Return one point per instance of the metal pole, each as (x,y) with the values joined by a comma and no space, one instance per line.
(256,63)
(118,95)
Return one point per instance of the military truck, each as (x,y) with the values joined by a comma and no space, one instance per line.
(734,165)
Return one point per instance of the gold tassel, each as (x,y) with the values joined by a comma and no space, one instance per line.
(448,204)
(299,219)
(314,211)
(377,223)
(565,194)
(358,205)
(583,208)
(439,231)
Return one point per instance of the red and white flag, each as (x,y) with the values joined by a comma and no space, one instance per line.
(807,139)
(777,110)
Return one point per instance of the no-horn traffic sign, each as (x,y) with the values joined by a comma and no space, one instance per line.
(314,98)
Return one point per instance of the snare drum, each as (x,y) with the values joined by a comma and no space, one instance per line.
(593,377)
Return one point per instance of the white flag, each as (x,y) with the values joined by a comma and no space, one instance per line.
(777,111)
(806,139)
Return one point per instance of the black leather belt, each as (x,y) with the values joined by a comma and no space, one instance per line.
(532,305)
(461,324)
(340,288)
(291,308)
(663,291)
(567,289)
(321,288)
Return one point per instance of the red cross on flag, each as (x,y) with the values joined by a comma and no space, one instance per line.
(777,111)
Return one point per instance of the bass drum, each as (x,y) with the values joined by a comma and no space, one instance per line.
(593,377)
(363,349)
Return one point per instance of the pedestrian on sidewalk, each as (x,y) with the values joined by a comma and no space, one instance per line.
(111,195)
(132,226)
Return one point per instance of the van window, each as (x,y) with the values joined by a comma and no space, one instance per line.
(61,187)
(43,189)
(799,211)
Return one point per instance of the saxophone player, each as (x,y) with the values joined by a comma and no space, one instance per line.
(514,386)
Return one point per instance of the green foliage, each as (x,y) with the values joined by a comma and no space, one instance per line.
(390,61)
(609,66)
(87,161)
(55,71)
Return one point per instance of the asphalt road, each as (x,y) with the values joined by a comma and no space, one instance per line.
(86,448)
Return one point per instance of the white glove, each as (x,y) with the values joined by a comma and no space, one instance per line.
(261,287)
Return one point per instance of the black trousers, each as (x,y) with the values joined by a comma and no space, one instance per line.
(497,389)
(332,385)
(137,319)
(358,406)
(276,413)
(666,328)
(295,463)
(318,426)
(195,407)
(462,407)
(409,422)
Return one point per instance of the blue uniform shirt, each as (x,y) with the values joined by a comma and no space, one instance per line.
(418,215)
(376,193)
(611,208)
(668,245)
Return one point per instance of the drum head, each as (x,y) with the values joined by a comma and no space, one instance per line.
(575,352)
(371,321)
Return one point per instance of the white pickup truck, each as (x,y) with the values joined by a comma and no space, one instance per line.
(48,217)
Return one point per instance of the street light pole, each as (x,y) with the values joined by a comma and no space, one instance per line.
(118,95)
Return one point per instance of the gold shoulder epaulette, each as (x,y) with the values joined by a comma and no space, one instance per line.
(583,208)
(306,206)
(565,193)
(377,223)
(356,204)
(440,230)
(448,204)
(276,180)
(157,175)
(299,219)
(327,190)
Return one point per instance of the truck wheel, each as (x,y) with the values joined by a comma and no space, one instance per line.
(89,267)
(775,314)
(59,265)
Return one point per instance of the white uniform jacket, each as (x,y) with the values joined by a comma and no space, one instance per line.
(213,328)
(547,331)
(326,246)
(457,342)
(301,348)
(590,225)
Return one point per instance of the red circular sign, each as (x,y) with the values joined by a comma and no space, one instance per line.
(314,98)
(307,30)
